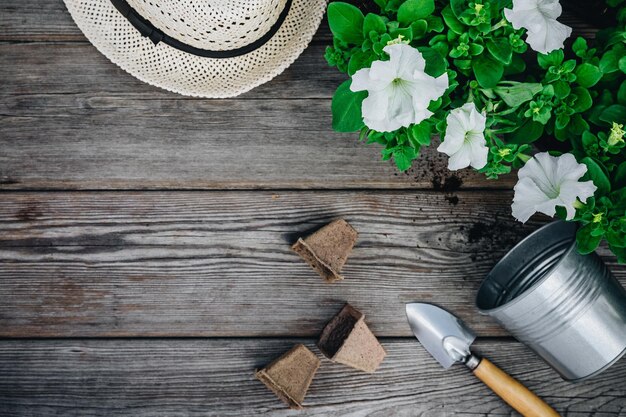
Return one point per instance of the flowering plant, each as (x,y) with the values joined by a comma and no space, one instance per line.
(493,79)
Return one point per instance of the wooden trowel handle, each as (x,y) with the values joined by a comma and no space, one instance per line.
(510,390)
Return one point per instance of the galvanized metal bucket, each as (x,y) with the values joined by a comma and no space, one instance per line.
(565,306)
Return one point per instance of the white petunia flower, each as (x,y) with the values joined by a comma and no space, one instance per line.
(538,17)
(399,91)
(464,141)
(548,181)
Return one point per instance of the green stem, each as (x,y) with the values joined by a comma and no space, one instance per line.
(505,112)
(578,204)
(501,23)
(470,97)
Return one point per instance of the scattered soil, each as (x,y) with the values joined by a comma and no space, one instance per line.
(479,231)
(499,233)
(498,236)
(433,168)
(453,200)
(449,183)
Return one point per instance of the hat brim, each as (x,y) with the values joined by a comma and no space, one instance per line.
(184,73)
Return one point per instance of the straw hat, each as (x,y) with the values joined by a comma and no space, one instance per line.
(203,48)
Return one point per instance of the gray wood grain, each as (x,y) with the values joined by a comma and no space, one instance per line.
(220,264)
(77,68)
(215,378)
(88,139)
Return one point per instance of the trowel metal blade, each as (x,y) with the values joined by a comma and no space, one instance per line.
(443,335)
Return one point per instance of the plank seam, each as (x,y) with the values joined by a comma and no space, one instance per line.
(27,190)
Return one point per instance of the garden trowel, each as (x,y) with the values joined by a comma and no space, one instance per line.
(448,340)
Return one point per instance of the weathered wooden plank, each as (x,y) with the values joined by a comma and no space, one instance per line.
(43,68)
(220,264)
(45,20)
(48,20)
(106,131)
(104,141)
(215,378)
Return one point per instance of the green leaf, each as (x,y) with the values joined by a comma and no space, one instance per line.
(442,48)
(458,7)
(518,94)
(374,22)
(435,104)
(517,66)
(569,65)
(619,199)
(577,125)
(529,132)
(403,156)
(609,62)
(585,241)
(420,134)
(406,33)
(589,138)
(612,37)
(619,177)
(419,28)
(346,108)
(363,133)
(376,137)
(614,113)
(346,22)
(500,49)
(580,47)
(435,63)
(453,23)
(620,253)
(487,70)
(597,173)
(621,93)
(561,121)
(606,98)
(561,89)
(554,58)
(463,64)
(393,25)
(457,53)
(583,99)
(435,24)
(560,133)
(622,64)
(476,49)
(594,115)
(381,3)
(587,75)
(412,10)
(360,60)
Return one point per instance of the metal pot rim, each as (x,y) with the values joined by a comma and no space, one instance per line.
(513,252)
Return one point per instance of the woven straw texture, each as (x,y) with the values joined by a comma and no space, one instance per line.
(220,25)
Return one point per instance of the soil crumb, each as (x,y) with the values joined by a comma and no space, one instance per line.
(479,231)
(453,200)
(448,184)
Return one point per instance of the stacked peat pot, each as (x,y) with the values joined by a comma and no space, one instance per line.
(346,339)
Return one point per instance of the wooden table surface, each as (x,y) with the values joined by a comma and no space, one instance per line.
(145,263)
